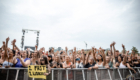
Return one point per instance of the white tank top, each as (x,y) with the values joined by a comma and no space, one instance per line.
(79,65)
(100,66)
(122,66)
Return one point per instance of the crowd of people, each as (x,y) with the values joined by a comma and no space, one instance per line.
(93,59)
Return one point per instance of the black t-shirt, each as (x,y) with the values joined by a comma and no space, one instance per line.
(136,65)
(130,64)
(116,59)
(89,65)
(58,65)
(51,63)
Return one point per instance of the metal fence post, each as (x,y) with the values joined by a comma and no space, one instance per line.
(25,75)
(17,74)
(74,75)
(60,74)
(114,74)
(52,74)
(138,70)
(120,74)
(109,74)
(67,74)
(7,74)
(123,73)
(96,75)
(83,74)
(130,72)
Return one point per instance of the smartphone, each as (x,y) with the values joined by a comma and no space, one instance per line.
(18,53)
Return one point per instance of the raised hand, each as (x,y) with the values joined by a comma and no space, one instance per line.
(66,48)
(3,43)
(82,50)
(111,44)
(123,46)
(7,39)
(74,48)
(13,42)
(114,43)
(92,48)
(36,47)
(95,49)
(127,52)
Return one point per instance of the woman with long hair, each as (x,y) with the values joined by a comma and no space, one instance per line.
(90,61)
(79,62)
(57,63)
(8,54)
(2,58)
(130,64)
(100,59)
(44,61)
(35,60)
(67,63)
(23,61)
(121,59)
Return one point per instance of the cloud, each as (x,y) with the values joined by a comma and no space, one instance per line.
(70,23)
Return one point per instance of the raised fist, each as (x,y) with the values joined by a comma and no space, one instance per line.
(123,46)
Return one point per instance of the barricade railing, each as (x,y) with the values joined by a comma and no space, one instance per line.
(72,74)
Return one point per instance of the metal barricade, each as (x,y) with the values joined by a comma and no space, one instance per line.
(71,74)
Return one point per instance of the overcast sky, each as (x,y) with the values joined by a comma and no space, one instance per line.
(70,23)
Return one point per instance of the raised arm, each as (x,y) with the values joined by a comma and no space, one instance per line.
(6,47)
(1,47)
(94,53)
(123,49)
(75,50)
(28,50)
(87,58)
(124,59)
(17,48)
(127,53)
(66,49)
(104,60)
(83,56)
(114,55)
(111,48)
(73,55)
(36,47)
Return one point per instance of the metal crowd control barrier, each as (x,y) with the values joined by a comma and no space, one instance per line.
(71,74)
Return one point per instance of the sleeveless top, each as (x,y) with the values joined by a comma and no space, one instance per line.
(79,65)
(68,64)
(18,64)
(100,66)
(110,64)
(5,63)
(122,66)
(32,62)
